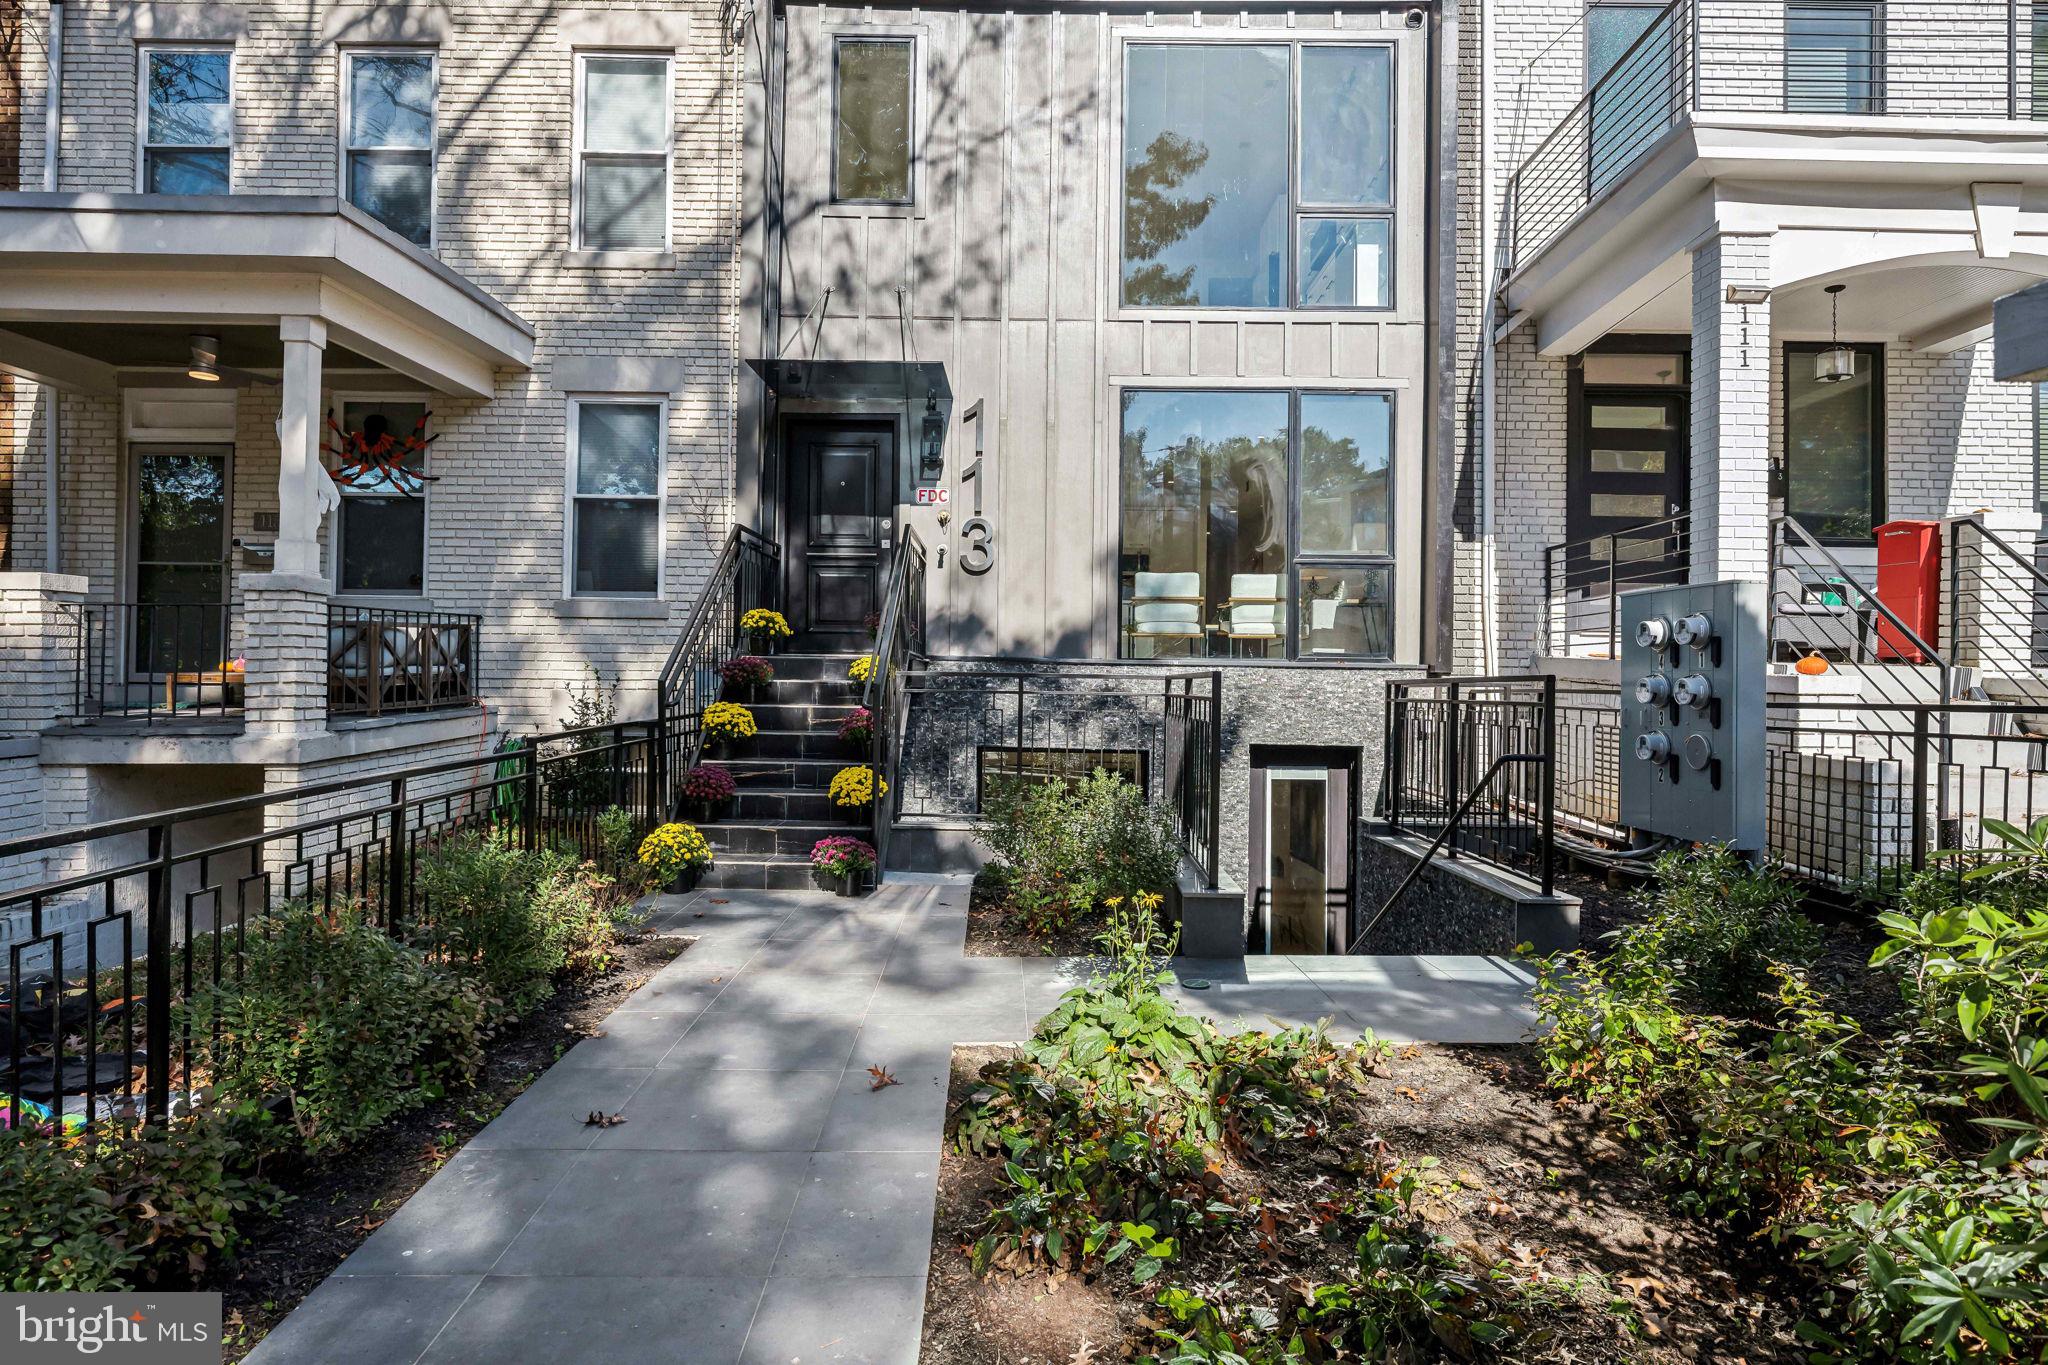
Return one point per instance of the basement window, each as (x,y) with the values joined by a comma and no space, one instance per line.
(1041,766)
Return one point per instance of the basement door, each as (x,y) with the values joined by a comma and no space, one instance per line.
(1300,883)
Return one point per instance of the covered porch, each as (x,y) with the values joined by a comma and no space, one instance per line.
(222,458)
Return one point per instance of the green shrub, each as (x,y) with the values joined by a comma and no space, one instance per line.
(1065,850)
(112,1209)
(1721,926)
(335,1015)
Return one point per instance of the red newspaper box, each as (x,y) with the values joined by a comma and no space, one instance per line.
(1909,585)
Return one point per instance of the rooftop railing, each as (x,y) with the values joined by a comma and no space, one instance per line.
(1827,60)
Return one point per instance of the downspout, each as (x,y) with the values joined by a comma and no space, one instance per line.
(1489,247)
(53,102)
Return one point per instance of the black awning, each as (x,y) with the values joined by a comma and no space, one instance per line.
(862,379)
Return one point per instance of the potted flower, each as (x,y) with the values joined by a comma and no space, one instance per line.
(746,675)
(844,860)
(676,853)
(872,624)
(765,628)
(856,789)
(859,728)
(862,668)
(707,787)
(726,723)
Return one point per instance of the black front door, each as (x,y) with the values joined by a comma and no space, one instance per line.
(1627,478)
(839,478)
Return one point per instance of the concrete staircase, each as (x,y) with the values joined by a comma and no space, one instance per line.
(764,839)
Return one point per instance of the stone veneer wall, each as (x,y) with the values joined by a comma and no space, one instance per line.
(1263,704)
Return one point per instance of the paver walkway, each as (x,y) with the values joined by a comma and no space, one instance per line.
(762,1203)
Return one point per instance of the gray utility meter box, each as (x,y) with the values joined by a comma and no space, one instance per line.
(1692,712)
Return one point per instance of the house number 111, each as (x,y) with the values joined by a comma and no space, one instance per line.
(978,537)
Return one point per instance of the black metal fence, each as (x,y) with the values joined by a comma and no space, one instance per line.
(968,719)
(900,646)
(155,661)
(1483,746)
(383,662)
(748,574)
(127,920)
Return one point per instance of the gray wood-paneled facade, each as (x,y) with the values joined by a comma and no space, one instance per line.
(1007,271)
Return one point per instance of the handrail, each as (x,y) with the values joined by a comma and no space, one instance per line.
(892,608)
(1790,527)
(1559,582)
(710,637)
(1436,846)
(728,559)
(899,636)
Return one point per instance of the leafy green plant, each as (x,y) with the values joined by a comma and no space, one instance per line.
(114,1209)
(335,1016)
(487,914)
(1066,850)
(1722,926)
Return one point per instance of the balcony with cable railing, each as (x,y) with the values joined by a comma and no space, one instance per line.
(1952,75)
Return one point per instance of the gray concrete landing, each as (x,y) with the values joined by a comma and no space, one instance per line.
(762,1202)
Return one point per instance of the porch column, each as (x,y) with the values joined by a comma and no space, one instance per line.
(302,485)
(40,642)
(1731,408)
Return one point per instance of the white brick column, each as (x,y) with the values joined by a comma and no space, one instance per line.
(303,490)
(285,624)
(39,642)
(1731,409)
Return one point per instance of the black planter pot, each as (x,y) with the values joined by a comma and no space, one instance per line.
(685,881)
(705,812)
(847,884)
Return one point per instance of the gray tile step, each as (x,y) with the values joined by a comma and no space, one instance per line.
(788,838)
(783,774)
(740,872)
(801,666)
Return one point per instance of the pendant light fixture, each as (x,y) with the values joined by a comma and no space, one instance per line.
(1837,364)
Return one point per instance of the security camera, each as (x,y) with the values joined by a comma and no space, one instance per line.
(1652,747)
(1653,690)
(1653,632)
(1693,690)
(1694,630)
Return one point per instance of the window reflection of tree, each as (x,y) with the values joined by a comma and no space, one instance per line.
(187,91)
(1155,219)
(181,508)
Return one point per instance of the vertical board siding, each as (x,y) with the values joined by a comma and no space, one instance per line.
(1010,263)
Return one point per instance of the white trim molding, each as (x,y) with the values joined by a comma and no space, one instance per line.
(619,29)
(152,21)
(385,25)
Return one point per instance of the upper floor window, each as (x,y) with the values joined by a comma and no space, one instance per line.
(1258,175)
(624,136)
(615,460)
(873,119)
(388,133)
(1833,61)
(188,120)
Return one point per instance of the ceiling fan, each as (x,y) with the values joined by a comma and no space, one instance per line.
(205,364)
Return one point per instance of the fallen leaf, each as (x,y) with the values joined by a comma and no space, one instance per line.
(882,1077)
(718,900)
(1084,1356)
(597,1118)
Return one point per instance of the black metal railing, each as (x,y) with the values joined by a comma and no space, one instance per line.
(1584,579)
(747,574)
(155,661)
(1471,765)
(900,646)
(1817,605)
(384,662)
(1995,606)
(110,929)
(1964,59)
(970,720)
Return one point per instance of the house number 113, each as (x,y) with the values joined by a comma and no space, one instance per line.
(978,537)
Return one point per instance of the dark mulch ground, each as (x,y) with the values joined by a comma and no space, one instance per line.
(337,1203)
(993,929)
(1532,1185)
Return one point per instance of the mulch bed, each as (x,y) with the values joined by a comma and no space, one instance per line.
(336,1203)
(1531,1183)
(993,929)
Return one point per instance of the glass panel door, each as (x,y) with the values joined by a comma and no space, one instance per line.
(181,559)
(1297,856)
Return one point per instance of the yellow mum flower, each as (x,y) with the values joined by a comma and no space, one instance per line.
(761,621)
(857,786)
(729,720)
(862,668)
(673,847)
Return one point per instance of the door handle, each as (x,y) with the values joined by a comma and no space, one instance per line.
(888,524)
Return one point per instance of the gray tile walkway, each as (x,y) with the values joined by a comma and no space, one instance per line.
(762,1203)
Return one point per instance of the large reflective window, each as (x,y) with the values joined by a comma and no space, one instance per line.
(1346,503)
(1347,117)
(1832,64)
(871,100)
(623,132)
(1205,175)
(390,134)
(616,543)
(1204,519)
